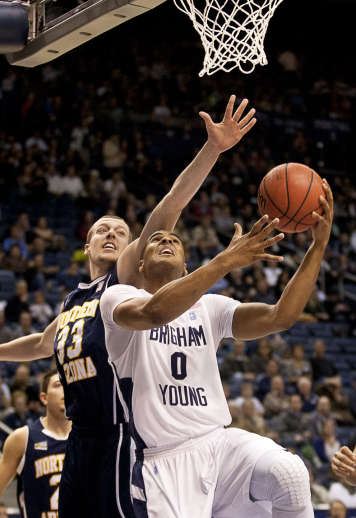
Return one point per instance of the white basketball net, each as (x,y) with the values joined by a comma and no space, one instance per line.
(232,32)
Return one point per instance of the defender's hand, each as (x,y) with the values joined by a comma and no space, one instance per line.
(322,228)
(227,133)
(343,465)
(249,248)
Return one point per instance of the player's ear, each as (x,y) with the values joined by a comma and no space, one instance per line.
(140,266)
(43,398)
(185,271)
(86,248)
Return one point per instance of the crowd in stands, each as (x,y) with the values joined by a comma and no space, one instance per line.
(85,137)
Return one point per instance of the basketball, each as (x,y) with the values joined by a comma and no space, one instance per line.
(291,193)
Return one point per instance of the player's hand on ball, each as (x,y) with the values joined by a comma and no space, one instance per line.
(227,133)
(249,248)
(343,465)
(322,228)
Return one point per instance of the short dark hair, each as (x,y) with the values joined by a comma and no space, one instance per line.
(46,379)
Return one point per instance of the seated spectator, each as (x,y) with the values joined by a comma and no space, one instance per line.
(14,261)
(315,310)
(18,302)
(6,334)
(317,418)
(259,359)
(54,181)
(339,400)
(114,154)
(72,183)
(115,186)
(276,400)
(322,367)
(23,382)
(15,238)
(24,326)
(291,424)
(40,310)
(41,230)
(36,273)
(249,420)
(337,509)
(236,364)
(319,493)
(263,381)
(5,395)
(298,365)
(205,238)
(70,278)
(247,395)
(309,398)
(326,444)
(84,225)
(18,412)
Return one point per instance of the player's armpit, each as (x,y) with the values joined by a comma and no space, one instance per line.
(45,347)
(255,320)
(13,450)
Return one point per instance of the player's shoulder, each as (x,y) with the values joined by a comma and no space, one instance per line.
(17,441)
(214,300)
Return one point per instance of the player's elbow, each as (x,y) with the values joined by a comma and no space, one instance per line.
(44,348)
(282,320)
(156,315)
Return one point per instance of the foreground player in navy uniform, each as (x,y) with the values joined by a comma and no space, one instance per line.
(96,474)
(36,454)
(162,344)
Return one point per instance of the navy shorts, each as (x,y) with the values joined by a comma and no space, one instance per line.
(96,474)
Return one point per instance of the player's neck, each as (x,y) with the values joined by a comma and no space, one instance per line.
(99,270)
(153,285)
(59,426)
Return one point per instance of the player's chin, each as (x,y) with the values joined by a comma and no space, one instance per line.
(109,255)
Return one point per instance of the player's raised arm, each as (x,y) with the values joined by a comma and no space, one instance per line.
(30,347)
(13,450)
(173,297)
(221,137)
(254,320)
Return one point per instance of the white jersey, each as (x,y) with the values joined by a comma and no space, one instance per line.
(168,377)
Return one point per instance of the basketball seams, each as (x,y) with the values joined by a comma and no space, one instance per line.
(300,222)
(301,205)
(270,199)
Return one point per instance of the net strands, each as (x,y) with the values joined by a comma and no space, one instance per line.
(232,32)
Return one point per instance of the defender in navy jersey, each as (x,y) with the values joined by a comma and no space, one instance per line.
(99,435)
(35,453)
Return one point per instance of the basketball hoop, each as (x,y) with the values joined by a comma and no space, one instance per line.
(232,32)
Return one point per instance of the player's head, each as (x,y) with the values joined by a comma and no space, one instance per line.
(106,239)
(337,509)
(52,394)
(163,256)
(3,510)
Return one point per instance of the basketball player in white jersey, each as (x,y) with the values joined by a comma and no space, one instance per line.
(162,344)
(36,453)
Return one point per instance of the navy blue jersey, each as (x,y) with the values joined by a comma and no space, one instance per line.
(38,480)
(82,360)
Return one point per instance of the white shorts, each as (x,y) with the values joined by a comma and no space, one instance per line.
(204,477)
